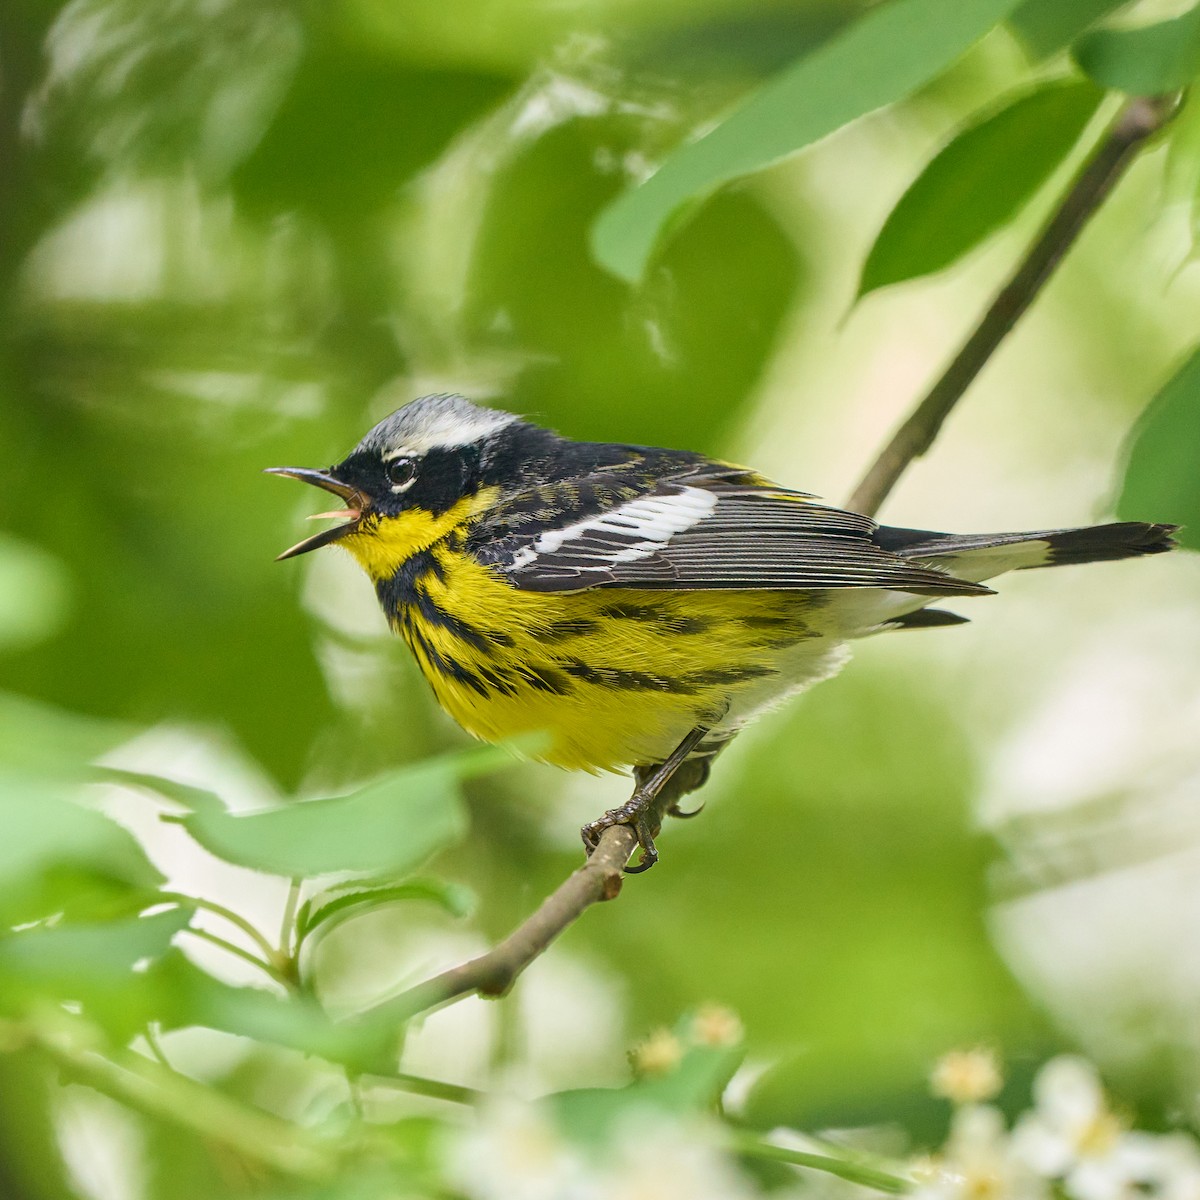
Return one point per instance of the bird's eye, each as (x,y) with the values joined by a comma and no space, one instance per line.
(402,472)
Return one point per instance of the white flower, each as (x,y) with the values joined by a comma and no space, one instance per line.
(1178,1169)
(515,1153)
(1073,1135)
(656,1158)
(977,1163)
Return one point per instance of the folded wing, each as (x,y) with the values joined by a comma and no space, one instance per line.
(704,529)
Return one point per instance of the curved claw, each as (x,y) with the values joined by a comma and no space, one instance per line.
(591,832)
(649,850)
(676,811)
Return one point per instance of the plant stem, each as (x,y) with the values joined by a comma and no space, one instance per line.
(1138,120)
(418,1085)
(227,914)
(167,1095)
(242,953)
(156,1047)
(287,924)
(843,1168)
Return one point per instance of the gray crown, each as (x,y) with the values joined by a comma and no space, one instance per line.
(432,423)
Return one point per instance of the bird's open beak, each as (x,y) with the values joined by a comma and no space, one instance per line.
(356,504)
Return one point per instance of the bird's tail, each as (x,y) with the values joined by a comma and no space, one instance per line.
(978,556)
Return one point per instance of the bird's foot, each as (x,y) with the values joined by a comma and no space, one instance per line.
(637,812)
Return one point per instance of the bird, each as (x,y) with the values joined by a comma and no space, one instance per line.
(636,606)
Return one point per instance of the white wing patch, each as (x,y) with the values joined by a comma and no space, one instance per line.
(649,522)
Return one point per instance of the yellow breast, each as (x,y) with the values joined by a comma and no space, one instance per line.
(615,677)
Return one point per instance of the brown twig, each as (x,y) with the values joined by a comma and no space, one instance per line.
(492,974)
(1139,119)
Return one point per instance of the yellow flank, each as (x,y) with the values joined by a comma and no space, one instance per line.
(616,677)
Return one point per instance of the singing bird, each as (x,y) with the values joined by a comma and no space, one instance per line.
(636,605)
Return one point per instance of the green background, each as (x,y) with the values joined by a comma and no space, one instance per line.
(236,234)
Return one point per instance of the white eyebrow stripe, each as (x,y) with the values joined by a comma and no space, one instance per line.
(450,431)
(653,521)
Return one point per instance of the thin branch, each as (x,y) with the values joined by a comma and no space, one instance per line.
(1138,120)
(493,973)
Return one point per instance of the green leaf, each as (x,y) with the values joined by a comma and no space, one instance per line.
(51,743)
(884,56)
(694,1085)
(388,827)
(978,183)
(1048,26)
(1147,61)
(330,910)
(59,858)
(127,974)
(179,994)
(197,799)
(100,966)
(79,954)
(1161,480)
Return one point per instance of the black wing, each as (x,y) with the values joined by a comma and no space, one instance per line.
(705,526)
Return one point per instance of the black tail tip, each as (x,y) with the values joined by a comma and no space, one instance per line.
(1122,539)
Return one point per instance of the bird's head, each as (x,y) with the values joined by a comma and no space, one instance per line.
(413,476)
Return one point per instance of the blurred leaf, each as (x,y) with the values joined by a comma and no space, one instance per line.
(1161,480)
(978,183)
(127,974)
(93,965)
(178,598)
(179,994)
(1047,26)
(352,130)
(1146,61)
(885,55)
(801,1088)
(34,593)
(57,857)
(330,910)
(595,361)
(192,82)
(50,743)
(739,42)
(71,956)
(197,799)
(388,827)
(694,1085)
